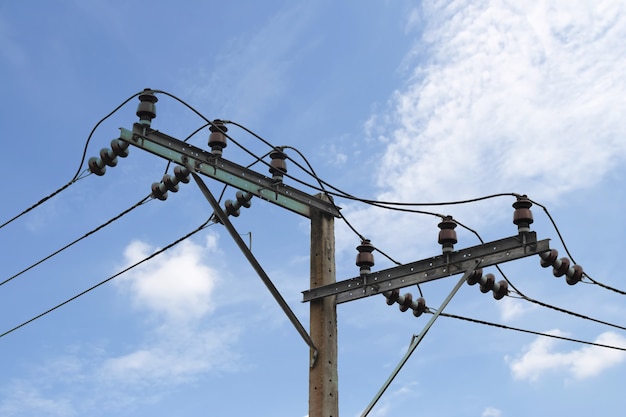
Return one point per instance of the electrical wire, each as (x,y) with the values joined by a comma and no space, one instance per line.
(558,232)
(108,222)
(540,303)
(502,326)
(397,206)
(82,160)
(79,174)
(48,197)
(158,252)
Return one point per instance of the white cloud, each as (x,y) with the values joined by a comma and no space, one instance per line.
(506,97)
(512,308)
(23,399)
(177,355)
(491,412)
(177,283)
(540,358)
(509,97)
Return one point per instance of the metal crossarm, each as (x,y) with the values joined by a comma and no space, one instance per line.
(491,253)
(225,171)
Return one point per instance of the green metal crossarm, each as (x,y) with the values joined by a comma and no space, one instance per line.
(492,253)
(225,171)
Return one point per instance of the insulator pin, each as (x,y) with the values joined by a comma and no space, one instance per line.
(278,166)
(146,110)
(447,235)
(217,138)
(522,217)
(365,257)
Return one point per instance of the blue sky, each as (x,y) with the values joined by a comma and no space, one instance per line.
(392,100)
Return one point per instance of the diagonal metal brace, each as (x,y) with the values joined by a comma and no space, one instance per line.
(223,218)
(417,339)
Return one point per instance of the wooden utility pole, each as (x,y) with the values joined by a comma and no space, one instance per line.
(323,386)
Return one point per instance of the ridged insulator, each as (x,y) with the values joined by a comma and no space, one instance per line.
(96,166)
(182,174)
(146,110)
(159,191)
(560,267)
(108,157)
(447,234)
(522,217)
(120,148)
(500,289)
(487,283)
(575,275)
(217,139)
(406,302)
(278,165)
(549,257)
(231,208)
(475,277)
(419,307)
(393,296)
(242,200)
(170,182)
(365,257)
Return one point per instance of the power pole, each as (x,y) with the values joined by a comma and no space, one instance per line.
(323,385)
(325,293)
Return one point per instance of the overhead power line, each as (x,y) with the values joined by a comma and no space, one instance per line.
(108,222)
(502,326)
(147,258)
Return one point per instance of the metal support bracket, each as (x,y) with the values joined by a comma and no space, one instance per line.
(225,171)
(491,253)
(223,218)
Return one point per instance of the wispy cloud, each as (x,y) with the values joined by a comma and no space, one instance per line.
(541,358)
(173,347)
(491,412)
(504,98)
